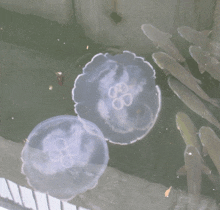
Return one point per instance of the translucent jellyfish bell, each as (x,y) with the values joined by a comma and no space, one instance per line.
(64,156)
(118,93)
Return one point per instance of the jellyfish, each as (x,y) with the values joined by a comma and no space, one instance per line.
(64,156)
(118,93)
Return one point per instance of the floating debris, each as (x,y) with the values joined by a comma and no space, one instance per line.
(60,78)
(167,192)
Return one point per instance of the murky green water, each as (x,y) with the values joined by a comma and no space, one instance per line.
(26,99)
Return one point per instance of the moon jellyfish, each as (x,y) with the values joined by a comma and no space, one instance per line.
(118,93)
(64,156)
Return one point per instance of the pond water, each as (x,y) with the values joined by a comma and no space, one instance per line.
(31,94)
